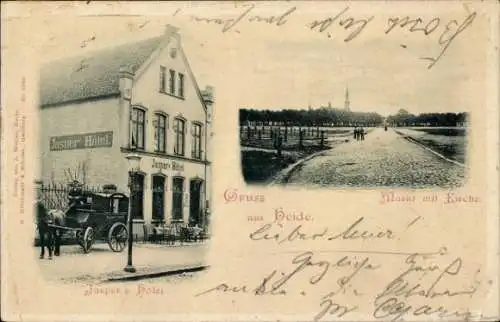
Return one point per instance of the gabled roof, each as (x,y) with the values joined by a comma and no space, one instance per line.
(92,75)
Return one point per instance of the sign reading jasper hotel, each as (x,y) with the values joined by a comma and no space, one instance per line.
(81,141)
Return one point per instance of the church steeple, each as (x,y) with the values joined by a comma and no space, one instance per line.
(347,102)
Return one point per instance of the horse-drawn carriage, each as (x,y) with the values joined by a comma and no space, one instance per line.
(94,216)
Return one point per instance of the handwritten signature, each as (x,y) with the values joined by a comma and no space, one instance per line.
(426,281)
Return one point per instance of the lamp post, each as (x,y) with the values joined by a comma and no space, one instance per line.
(134,161)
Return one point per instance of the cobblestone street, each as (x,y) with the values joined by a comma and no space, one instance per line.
(101,264)
(382,159)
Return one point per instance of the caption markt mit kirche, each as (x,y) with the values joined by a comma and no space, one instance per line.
(447,198)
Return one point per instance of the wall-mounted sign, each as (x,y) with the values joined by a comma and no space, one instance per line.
(81,141)
(168,165)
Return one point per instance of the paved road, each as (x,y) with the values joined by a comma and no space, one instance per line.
(382,159)
(101,263)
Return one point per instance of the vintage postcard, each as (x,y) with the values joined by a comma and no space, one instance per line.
(250,161)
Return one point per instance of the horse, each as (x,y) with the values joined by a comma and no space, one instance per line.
(49,236)
(57,216)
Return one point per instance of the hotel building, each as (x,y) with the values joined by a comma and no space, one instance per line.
(139,97)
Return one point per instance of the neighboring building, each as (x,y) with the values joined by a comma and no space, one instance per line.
(141,97)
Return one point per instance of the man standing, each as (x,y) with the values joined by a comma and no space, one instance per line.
(44,231)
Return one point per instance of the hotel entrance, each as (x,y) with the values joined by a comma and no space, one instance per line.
(195,204)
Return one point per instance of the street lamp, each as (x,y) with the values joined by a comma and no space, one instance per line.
(134,161)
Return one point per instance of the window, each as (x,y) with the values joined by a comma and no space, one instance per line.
(181,85)
(160,125)
(171,87)
(137,130)
(196,146)
(158,197)
(178,192)
(195,202)
(179,129)
(138,197)
(163,78)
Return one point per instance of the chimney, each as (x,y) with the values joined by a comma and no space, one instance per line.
(208,95)
(208,98)
(125,83)
(169,30)
(172,32)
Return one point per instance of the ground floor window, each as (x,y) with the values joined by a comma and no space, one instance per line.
(195,203)
(158,188)
(177,195)
(138,197)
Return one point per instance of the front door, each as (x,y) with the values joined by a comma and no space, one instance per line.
(194,202)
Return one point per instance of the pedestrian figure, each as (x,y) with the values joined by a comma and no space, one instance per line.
(362,133)
(44,230)
(355,133)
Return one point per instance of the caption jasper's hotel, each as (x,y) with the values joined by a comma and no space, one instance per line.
(141,97)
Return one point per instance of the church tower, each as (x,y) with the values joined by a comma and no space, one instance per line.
(347,102)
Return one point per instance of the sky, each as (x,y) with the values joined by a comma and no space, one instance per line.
(261,65)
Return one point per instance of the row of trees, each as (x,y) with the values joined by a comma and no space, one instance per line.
(323,116)
(404,118)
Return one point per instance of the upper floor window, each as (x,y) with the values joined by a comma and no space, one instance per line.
(179,129)
(163,78)
(160,124)
(137,128)
(181,85)
(171,87)
(196,146)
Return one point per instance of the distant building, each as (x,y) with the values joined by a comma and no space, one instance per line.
(347,102)
(140,97)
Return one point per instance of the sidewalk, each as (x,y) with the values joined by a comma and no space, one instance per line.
(102,264)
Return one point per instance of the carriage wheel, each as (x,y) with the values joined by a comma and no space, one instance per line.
(88,239)
(117,237)
(79,237)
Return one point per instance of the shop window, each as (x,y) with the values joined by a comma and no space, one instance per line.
(137,130)
(196,146)
(158,198)
(138,197)
(179,129)
(160,137)
(177,195)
